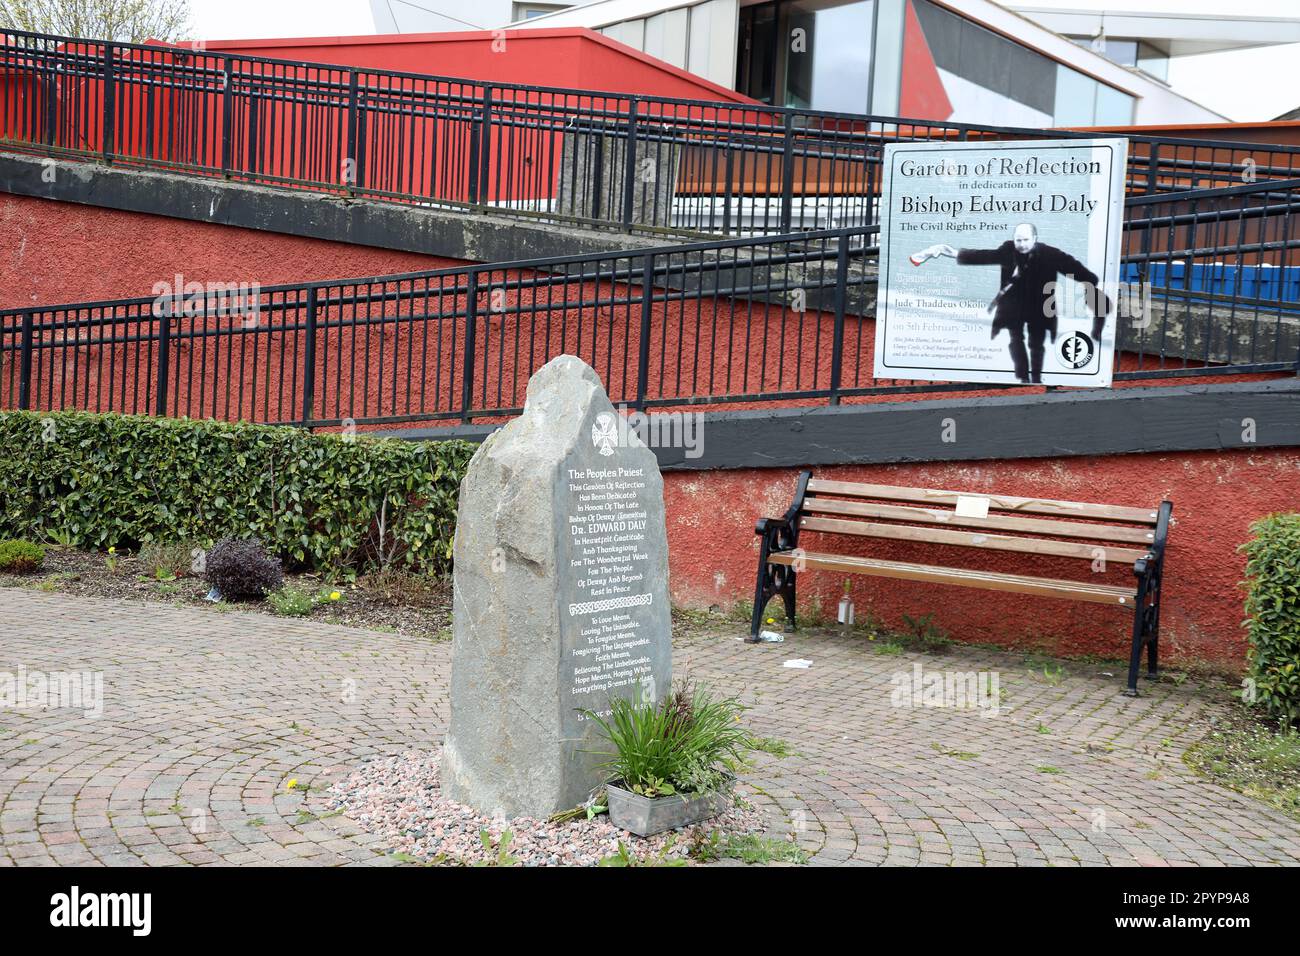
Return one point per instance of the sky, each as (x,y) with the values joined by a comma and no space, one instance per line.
(249,19)
(1242,85)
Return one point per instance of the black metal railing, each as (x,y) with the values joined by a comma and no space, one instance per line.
(784,319)
(618,161)
(1217,273)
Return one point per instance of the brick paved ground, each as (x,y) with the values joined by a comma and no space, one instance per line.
(208,714)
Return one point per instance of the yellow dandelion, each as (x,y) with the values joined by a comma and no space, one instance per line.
(334,595)
(112,550)
(291,784)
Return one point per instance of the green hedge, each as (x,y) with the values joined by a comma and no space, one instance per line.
(1273,615)
(100,480)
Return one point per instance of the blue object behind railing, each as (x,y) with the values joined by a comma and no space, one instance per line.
(1262,282)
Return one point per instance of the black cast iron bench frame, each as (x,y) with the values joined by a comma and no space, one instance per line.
(1073,530)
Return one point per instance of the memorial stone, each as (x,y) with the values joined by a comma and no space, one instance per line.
(560,597)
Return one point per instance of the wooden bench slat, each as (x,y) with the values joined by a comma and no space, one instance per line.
(974,539)
(1064,529)
(1046,587)
(1044,506)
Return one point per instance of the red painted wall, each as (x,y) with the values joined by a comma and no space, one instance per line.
(713,551)
(572,57)
(53,252)
(399,152)
(294,140)
(698,347)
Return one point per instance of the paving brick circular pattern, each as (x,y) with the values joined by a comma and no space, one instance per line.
(207,716)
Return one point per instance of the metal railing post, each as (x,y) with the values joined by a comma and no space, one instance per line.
(351,164)
(787,177)
(164,363)
(726,194)
(841,296)
(467,373)
(50,91)
(643,349)
(251,139)
(629,167)
(309,363)
(227,115)
(25,365)
(472,172)
(1144,268)
(485,148)
(479,140)
(110,103)
(596,181)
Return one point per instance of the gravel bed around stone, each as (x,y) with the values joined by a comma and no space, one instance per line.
(399,799)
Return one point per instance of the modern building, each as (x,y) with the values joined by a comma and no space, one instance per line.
(1148,40)
(975,61)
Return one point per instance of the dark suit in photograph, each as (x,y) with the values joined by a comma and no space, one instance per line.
(1026,298)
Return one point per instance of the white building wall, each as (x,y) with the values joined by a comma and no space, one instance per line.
(702,37)
(699,37)
(1156,102)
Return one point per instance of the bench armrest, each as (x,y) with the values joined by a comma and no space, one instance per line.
(763,524)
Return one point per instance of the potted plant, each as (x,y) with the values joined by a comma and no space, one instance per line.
(672,763)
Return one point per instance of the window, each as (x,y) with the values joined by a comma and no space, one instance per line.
(529,11)
(828,55)
(1114,107)
(1076,98)
(1123,52)
(756,62)
(1136,53)
(990,79)
(1153,62)
(812,54)
(1082,101)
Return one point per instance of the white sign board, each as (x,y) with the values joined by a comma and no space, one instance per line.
(999,262)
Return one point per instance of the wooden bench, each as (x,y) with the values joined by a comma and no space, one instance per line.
(1089,532)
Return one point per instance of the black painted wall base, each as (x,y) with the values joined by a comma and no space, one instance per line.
(1057,424)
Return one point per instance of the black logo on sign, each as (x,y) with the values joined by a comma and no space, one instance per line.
(1076,350)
